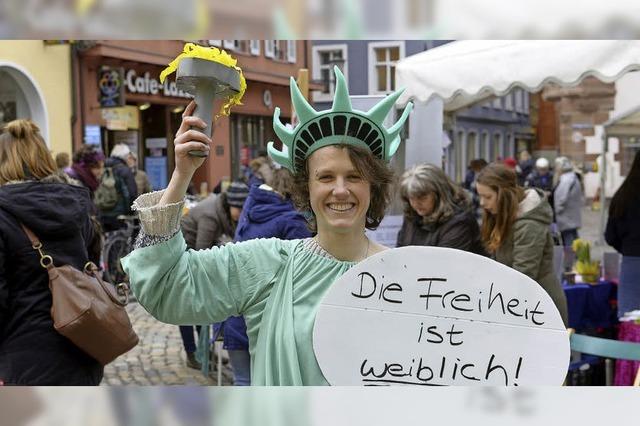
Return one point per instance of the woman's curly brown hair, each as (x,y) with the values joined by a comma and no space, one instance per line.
(372,169)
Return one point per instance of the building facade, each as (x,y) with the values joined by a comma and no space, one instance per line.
(122,100)
(493,130)
(35,83)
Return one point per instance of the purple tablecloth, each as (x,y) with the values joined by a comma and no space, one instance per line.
(626,370)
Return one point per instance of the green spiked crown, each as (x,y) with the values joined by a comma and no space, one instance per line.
(339,125)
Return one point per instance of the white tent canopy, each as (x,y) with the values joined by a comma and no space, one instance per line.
(465,72)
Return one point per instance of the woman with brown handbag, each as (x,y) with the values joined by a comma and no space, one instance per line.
(32,352)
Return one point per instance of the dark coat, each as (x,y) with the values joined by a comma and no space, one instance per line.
(31,351)
(127,189)
(208,224)
(623,233)
(265,214)
(460,232)
(536,180)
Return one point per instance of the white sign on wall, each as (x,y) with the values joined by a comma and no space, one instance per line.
(145,84)
(156,143)
(436,316)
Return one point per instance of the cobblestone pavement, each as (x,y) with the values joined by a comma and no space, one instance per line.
(158,359)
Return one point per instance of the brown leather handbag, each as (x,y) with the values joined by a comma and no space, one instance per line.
(87,311)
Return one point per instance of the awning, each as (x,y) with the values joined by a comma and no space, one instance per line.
(465,72)
(625,124)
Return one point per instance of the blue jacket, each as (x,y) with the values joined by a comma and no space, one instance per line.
(265,215)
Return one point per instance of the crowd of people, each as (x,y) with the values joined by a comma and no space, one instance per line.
(297,224)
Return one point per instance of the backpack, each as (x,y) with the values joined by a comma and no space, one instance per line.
(106,195)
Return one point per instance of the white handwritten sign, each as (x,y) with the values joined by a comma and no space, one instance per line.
(435,316)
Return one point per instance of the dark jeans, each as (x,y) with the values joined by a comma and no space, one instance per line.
(568,236)
(189,342)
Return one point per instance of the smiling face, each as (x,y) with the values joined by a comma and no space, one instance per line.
(338,194)
(488,198)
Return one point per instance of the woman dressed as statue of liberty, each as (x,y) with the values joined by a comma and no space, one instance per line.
(339,161)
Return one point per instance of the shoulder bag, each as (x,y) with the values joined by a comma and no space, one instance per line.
(85,310)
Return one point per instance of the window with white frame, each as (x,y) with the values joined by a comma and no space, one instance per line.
(518,99)
(270,48)
(324,59)
(459,160)
(484,145)
(382,66)
(508,151)
(471,147)
(291,51)
(254,46)
(497,103)
(497,149)
(508,101)
(280,53)
(280,50)
(238,46)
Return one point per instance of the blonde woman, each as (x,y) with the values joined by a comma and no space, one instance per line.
(516,228)
(32,352)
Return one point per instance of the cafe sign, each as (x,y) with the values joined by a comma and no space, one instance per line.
(147,85)
(429,316)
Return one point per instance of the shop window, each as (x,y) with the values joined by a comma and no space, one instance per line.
(249,137)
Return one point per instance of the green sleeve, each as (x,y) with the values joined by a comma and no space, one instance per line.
(180,286)
(528,245)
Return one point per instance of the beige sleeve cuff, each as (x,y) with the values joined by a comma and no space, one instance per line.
(158,220)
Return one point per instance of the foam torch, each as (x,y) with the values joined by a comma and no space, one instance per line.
(207,73)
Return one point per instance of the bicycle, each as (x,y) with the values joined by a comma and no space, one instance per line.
(118,244)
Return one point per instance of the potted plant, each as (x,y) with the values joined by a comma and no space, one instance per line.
(588,269)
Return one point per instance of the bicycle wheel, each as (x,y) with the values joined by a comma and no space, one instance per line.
(115,249)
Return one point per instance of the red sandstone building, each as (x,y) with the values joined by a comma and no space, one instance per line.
(119,99)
